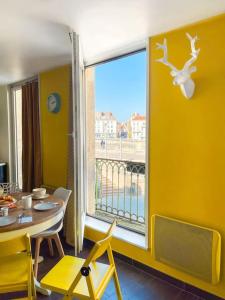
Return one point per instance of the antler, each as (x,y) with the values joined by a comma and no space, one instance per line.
(164,59)
(194,53)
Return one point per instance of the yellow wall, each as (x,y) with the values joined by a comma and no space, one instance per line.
(54,127)
(187,142)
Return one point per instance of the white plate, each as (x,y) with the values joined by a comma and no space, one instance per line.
(40,197)
(45,206)
(8,220)
(5,205)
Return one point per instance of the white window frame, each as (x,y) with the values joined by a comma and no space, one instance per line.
(13,135)
(142,46)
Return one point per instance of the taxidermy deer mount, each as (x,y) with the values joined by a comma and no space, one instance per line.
(182,77)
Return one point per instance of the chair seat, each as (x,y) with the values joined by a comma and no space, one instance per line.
(13,270)
(52,230)
(67,268)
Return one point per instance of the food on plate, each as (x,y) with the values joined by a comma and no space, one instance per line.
(6,199)
(12,205)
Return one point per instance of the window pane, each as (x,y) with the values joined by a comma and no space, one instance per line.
(18,133)
(116,101)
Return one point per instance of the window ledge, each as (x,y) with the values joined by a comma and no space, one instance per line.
(125,235)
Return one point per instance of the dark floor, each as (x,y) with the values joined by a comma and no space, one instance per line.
(135,283)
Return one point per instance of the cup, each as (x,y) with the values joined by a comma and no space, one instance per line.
(26,202)
(39,192)
(5,211)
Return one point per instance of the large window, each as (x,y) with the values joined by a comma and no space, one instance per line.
(116,114)
(17,130)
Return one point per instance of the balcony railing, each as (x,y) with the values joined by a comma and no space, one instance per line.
(120,189)
(120,149)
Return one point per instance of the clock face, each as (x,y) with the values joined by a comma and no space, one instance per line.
(54,103)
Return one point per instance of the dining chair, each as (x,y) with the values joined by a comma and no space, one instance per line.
(16,271)
(9,187)
(78,278)
(52,233)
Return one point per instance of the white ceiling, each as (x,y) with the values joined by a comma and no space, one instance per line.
(34,33)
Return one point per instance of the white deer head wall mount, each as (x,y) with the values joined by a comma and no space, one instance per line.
(182,77)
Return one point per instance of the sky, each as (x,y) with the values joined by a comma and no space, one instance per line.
(120,86)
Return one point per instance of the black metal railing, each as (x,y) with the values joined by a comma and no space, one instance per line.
(120,189)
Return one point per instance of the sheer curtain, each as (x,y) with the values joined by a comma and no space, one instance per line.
(31,138)
(75,223)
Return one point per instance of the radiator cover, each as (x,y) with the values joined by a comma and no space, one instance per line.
(190,248)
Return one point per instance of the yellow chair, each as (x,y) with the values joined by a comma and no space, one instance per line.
(84,279)
(16,271)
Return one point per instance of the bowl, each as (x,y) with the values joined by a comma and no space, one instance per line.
(39,192)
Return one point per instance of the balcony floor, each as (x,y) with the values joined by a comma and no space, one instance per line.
(135,283)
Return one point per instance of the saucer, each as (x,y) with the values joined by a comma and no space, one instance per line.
(45,206)
(7,220)
(40,197)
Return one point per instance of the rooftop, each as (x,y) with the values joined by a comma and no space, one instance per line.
(138,117)
(104,116)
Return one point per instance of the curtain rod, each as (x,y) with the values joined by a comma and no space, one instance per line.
(23,82)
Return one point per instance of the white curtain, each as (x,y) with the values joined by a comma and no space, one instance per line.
(79,142)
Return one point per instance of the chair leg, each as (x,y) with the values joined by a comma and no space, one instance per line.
(117,286)
(58,245)
(50,247)
(31,290)
(37,251)
(33,284)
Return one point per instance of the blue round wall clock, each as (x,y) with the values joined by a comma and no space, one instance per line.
(54,103)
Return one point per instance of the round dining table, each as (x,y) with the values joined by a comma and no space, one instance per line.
(32,221)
